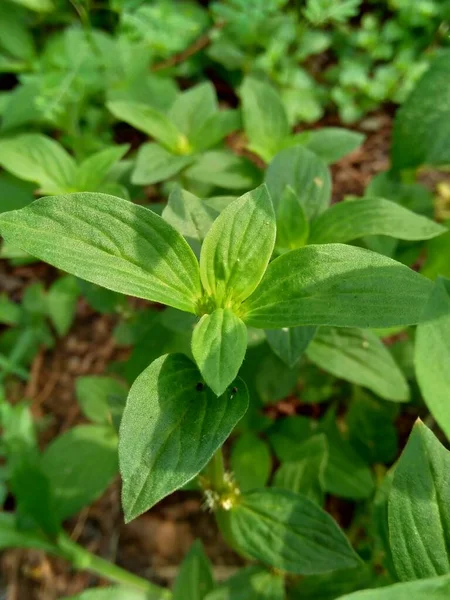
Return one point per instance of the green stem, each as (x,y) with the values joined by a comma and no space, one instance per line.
(84,560)
(215,471)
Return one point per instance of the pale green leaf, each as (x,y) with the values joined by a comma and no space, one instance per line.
(215,129)
(62,302)
(219,343)
(432,357)
(335,284)
(289,532)
(94,394)
(250,583)
(332,143)
(224,169)
(171,426)
(193,107)
(94,170)
(419,508)
(80,464)
(306,173)
(360,357)
(194,580)
(265,120)
(436,588)
(149,120)
(354,219)
(238,247)
(111,242)
(292,224)
(154,163)
(38,158)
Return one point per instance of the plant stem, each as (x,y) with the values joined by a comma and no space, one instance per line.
(215,471)
(84,560)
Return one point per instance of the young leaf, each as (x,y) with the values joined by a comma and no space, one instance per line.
(116,593)
(154,163)
(292,224)
(62,302)
(94,392)
(306,174)
(333,143)
(114,243)
(224,169)
(150,121)
(422,125)
(80,464)
(305,474)
(219,342)
(338,285)
(38,158)
(190,216)
(353,219)
(360,357)
(193,107)
(171,426)
(250,583)
(251,462)
(419,508)
(289,532)
(432,357)
(12,536)
(265,120)
(215,129)
(93,170)
(290,343)
(436,588)
(194,579)
(238,247)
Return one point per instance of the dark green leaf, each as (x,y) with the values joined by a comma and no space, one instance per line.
(250,583)
(290,343)
(251,462)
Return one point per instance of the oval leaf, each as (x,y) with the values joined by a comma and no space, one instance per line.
(290,532)
(219,342)
(111,242)
(171,426)
(338,285)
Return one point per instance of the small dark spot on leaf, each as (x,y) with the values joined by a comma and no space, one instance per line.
(200,386)
(234,390)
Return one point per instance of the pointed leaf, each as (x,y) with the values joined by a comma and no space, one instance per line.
(292,224)
(338,285)
(306,173)
(219,342)
(432,357)
(436,588)
(93,170)
(171,426)
(251,462)
(289,532)
(38,158)
(333,143)
(215,129)
(224,169)
(194,580)
(154,163)
(353,219)
(94,393)
(290,343)
(193,107)
(238,247)
(419,508)
(250,583)
(111,242)
(360,357)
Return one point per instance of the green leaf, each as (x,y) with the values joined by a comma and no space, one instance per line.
(194,580)
(94,170)
(360,357)
(431,359)
(114,593)
(335,284)
(193,107)
(215,129)
(80,464)
(149,120)
(15,35)
(292,224)
(171,427)
(305,474)
(250,583)
(62,302)
(419,508)
(331,585)
(14,192)
(38,158)
(265,120)
(224,169)
(306,174)
(353,219)
(421,133)
(219,342)
(289,532)
(437,588)
(290,344)
(94,392)
(190,216)
(11,536)
(286,435)
(333,143)
(238,247)
(154,163)
(114,243)
(251,462)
